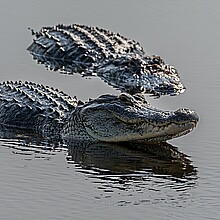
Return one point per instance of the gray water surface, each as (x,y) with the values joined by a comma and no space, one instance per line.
(40,180)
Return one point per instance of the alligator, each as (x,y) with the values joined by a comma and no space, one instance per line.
(117,60)
(108,118)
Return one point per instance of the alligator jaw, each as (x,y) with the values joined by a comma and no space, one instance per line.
(172,131)
(150,132)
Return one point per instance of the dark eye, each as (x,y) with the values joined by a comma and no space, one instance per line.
(125,97)
(137,99)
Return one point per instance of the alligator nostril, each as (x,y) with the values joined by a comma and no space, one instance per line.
(186,115)
(184,111)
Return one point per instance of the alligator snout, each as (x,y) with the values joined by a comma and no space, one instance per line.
(186,115)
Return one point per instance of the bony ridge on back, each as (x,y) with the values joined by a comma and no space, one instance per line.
(93,51)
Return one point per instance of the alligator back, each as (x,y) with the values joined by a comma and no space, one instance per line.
(79,48)
(32,106)
(117,60)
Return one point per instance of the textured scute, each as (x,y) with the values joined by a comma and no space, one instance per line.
(117,60)
(33,106)
(77,48)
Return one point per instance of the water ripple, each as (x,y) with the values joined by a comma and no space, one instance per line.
(135,173)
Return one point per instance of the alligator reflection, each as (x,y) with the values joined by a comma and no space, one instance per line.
(128,158)
(27,143)
(120,162)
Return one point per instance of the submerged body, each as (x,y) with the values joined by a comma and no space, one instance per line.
(108,118)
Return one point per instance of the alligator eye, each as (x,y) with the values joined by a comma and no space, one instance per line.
(125,98)
(132,100)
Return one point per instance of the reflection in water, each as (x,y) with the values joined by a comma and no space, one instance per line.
(132,161)
(125,158)
(28,143)
(126,167)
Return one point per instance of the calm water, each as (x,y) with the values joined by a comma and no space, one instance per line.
(84,181)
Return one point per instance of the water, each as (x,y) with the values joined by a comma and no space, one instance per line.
(44,181)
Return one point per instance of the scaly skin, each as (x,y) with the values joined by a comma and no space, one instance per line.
(117,60)
(32,106)
(108,118)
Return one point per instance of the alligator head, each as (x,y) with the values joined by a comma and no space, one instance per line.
(112,118)
(135,74)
